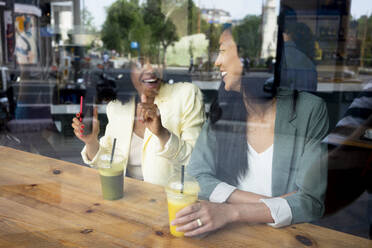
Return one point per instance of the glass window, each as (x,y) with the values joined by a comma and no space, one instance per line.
(279,96)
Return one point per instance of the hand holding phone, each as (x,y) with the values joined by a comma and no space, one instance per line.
(86,116)
(86,124)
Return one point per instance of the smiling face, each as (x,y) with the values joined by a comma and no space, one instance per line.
(229,63)
(145,79)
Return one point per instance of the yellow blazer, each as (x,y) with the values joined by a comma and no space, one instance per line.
(182,113)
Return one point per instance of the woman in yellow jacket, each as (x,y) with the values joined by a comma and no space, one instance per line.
(155,130)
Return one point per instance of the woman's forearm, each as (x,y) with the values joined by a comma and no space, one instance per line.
(240,196)
(92,149)
(251,212)
(163,136)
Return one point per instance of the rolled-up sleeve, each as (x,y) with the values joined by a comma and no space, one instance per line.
(280,211)
(86,160)
(221,193)
(307,204)
(170,147)
(178,148)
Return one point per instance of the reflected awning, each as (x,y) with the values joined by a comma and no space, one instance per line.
(27,9)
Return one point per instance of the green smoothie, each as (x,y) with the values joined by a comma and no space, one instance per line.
(111,179)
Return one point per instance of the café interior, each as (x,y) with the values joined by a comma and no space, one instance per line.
(65,65)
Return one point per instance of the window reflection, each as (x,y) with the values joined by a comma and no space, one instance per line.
(54,52)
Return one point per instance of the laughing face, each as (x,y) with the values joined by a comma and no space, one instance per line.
(229,63)
(146,80)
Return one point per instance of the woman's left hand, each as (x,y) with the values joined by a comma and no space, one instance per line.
(211,217)
(150,115)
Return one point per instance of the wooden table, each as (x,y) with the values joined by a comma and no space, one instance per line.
(49,203)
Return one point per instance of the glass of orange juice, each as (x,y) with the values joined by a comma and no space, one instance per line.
(180,195)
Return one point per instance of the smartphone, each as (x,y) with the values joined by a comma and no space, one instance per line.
(86,115)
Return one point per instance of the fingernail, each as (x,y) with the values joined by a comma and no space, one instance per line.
(81,131)
(82,136)
(78,115)
(82,126)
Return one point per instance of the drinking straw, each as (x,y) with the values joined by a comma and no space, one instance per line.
(81,106)
(113,150)
(182,178)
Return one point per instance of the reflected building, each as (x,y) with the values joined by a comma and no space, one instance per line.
(218,16)
(62,18)
(269,29)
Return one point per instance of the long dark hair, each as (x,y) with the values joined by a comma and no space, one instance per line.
(228,117)
(228,120)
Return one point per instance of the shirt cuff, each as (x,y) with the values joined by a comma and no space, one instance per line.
(280,211)
(91,163)
(221,192)
(170,148)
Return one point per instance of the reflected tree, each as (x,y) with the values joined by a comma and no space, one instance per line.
(129,21)
(87,19)
(248,36)
(124,23)
(163,31)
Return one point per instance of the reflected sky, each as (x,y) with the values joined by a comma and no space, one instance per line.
(237,8)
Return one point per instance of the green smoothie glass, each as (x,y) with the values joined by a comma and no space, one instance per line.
(111,176)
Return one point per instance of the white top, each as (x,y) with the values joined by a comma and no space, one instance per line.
(134,161)
(258,176)
(258,180)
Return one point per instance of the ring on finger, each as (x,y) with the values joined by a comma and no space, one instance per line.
(200,223)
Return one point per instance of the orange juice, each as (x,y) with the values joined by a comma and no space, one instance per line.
(177,201)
